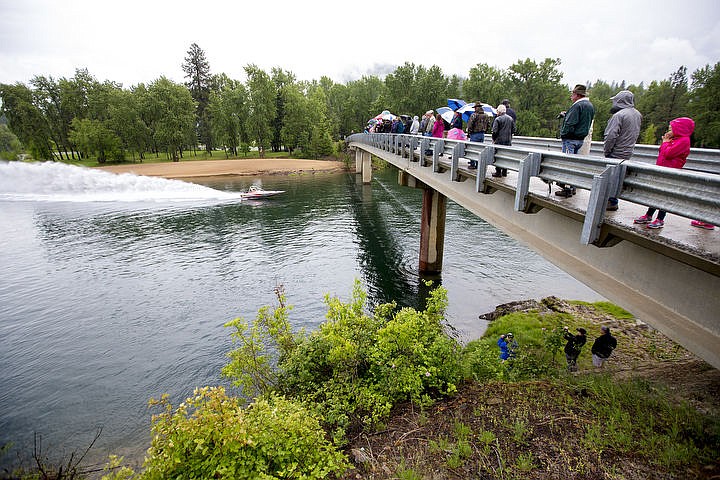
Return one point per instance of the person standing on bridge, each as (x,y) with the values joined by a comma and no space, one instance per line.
(576,125)
(673,153)
(622,131)
(503,128)
(415,126)
(509,110)
(477,124)
(603,347)
(573,347)
(438,128)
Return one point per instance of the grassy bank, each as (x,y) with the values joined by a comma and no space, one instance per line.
(651,413)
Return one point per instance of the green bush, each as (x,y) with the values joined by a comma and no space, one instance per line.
(211,435)
(355,366)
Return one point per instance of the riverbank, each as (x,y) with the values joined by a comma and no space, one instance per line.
(240,167)
(648,414)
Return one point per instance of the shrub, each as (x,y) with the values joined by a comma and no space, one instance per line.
(355,367)
(211,435)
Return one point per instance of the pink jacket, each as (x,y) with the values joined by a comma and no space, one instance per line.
(438,129)
(674,153)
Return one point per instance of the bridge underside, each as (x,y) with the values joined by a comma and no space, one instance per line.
(669,290)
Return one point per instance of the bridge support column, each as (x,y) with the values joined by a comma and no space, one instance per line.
(359,154)
(366,168)
(432,230)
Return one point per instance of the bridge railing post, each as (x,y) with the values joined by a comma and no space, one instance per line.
(487,157)
(424,147)
(458,151)
(413,145)
(529,167)
(437,150)
(604,185)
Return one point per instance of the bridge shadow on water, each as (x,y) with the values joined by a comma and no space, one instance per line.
(383,256)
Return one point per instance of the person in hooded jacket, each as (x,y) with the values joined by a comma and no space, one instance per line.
(573,347)
(673,153)
(622,131)
(503,346)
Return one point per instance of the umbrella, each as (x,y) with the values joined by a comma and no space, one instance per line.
(456,134)
(456,103)
(468,110)
(446,113)
(385,115)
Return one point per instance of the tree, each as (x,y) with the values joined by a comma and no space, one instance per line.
(261,107)
(48,97)
(280,79)
(297,123)
(538,94)
(93,138)
(10,146)
(173,116)
(228,108)
(197,71)
(663,101)
(705,105)
(26,120)
(486,84)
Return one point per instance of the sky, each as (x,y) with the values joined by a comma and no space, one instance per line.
(137,41)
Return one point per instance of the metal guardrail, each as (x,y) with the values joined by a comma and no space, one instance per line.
(688,193)
(700,159)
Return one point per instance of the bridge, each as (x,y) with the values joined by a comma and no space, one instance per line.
(668,278)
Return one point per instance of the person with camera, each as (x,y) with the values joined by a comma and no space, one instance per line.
(576,124)
(573,347)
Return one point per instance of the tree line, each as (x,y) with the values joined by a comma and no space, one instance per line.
(81,117)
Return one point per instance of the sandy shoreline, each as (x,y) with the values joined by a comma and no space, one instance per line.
(244,167)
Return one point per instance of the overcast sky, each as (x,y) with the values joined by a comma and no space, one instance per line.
(133,41)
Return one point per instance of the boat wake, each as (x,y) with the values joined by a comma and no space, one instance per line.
(59,182)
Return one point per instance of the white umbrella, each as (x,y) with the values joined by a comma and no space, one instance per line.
(446,113)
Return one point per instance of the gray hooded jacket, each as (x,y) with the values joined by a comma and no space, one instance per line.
(623,128)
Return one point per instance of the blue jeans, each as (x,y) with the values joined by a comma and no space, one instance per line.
(476,137)
(571,146)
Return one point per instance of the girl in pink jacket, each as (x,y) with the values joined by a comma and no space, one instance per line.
(673,153)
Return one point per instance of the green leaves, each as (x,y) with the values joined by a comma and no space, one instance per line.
(211,435)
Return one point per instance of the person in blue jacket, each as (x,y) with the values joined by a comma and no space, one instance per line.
(502,344)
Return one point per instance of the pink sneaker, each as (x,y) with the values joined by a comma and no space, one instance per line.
(706,226)
(643,220)
(656,224)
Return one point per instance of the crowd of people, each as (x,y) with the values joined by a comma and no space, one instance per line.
(620,136)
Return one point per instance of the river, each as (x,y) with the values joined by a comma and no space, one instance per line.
(115,288)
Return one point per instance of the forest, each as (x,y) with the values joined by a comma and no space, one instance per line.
(81,117)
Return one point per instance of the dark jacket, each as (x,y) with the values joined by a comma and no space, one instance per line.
(478,123)
(456,121)
(578,119)
(574,344)
(604,345)
(502,129)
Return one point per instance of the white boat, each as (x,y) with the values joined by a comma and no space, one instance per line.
(255,192)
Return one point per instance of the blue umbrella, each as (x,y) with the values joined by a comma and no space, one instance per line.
(468,110)
(456,103)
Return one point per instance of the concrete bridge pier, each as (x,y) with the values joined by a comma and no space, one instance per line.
(432,224)
(363,165)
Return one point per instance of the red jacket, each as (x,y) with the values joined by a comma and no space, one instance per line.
(674,153)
